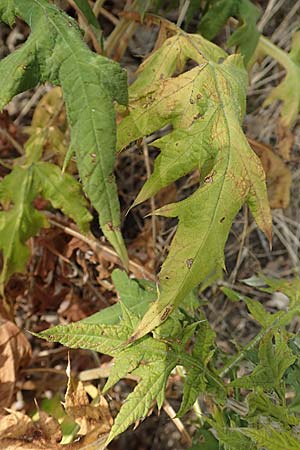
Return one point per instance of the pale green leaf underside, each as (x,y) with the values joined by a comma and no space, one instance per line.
(56,52)
(19,222)
(205,107)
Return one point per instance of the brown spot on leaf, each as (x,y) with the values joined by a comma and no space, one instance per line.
(189,262)
(166,313)
(210,177)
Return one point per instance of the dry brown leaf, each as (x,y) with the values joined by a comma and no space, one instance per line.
(286,140)
(15,425)
(15,352)
(19,432)
(279,177)
(88,416)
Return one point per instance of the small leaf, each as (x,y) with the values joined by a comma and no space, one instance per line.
(271,438)
(196,381)
(135,298)
(260,404)
(274,361)
(19,222)
(246,36)
(64,192)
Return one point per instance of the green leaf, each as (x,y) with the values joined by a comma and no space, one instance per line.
(7,12)
(107,339)
(205,107)
(232,438)
(18,221)
(64,193)
(195,382)
(274,361)
(87,11)
(136,298)
(149,359)
(153,381)
(288,91)
(216,16)
(259,313)
(55,52)
(246,36)
(272,439)
(260,404)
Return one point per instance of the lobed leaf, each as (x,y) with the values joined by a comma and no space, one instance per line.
(271,438)
(196,381)
(274,361)
(261,404)
(136,298)
(19,220)
(205,107)
(246,36)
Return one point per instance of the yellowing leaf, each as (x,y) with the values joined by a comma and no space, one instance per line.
(205,107)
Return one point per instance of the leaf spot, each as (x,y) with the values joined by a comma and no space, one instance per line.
(166,313)
(189,262)
(209,178)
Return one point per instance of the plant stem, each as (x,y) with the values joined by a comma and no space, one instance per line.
(267,47)
(236,359)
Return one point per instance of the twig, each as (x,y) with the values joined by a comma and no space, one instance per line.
(44,370)
(12,141)
(177,422)
(183,12)
(242,248)
(32,101)
(104,250)
(109,16)
(96,8)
